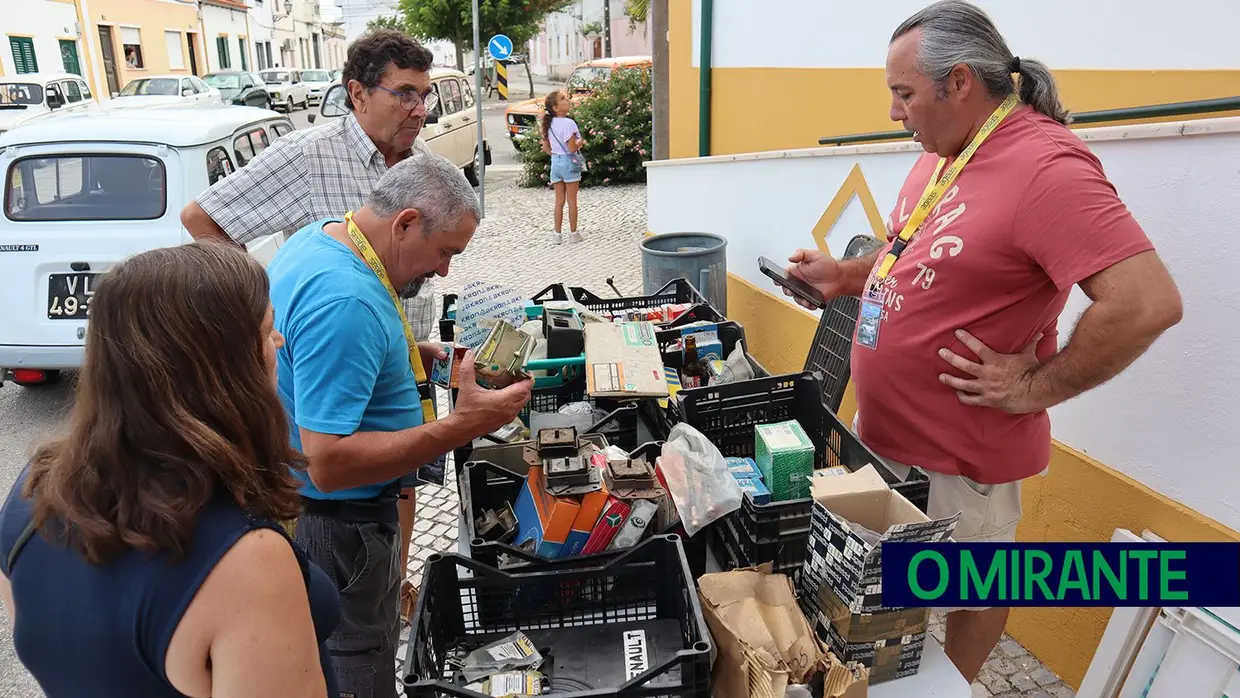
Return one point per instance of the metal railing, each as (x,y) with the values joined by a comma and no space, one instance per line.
(1150,111)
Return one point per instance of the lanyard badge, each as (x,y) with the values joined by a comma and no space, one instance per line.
(869,316)
(436,469)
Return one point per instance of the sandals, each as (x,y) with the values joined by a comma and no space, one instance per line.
(408,601)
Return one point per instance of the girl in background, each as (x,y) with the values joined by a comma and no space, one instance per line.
(562,139)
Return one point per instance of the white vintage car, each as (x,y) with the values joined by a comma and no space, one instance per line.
(83,192)
(29,97)
(286,89)
(317,82)
(165,91)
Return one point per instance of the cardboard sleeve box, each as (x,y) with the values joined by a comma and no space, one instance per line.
(841,582)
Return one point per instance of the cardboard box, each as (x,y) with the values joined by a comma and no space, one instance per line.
(743,467)
(763,640)
(706,339)
(609,522)
(785,456)
(841,582)
(592,505)
(543,521)
(755,489)
(623,360)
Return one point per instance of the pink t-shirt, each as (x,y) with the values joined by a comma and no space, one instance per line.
(1031,214)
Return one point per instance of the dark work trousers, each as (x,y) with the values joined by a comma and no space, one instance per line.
(361,558)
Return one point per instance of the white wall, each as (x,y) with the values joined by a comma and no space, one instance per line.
(47,22)
(1066,34)
(1170,420)
(261,29)
(221,20)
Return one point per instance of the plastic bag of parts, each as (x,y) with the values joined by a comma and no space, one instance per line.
(515,651)
(735,368)
(697,478)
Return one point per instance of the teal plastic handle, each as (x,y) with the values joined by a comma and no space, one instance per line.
(553,364)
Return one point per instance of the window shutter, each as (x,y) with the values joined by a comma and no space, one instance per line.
(131,35)
(176,58)
(23,54)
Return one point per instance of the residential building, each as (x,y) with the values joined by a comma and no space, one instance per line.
(127,39)
(1151,449)
(575,34)
(226,26)
(44,36)
(335,46)
(262,25)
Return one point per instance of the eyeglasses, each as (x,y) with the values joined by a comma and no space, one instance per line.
(412,98)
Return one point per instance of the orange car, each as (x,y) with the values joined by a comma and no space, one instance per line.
(523,116)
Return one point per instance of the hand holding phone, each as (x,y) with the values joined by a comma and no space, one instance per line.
(797,287)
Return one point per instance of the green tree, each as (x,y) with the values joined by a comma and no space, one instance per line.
(638,11)
(387,22)
(453,20)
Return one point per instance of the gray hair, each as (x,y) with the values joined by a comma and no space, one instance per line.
(955,32)
(431,184)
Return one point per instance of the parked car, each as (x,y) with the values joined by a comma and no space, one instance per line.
(451,128)
(85,191)
(33,96)
(523,116)
(336,74)
(163,91)
(316,82)
(240,87)
(286,89)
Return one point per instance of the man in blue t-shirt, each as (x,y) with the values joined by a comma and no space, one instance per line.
(347,382)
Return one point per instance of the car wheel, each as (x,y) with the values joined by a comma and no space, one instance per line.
(474,170)
(288,106)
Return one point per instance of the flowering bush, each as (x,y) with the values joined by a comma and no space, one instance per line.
(615,123)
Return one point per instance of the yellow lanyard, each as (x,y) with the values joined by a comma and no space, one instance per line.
(936,187)
(415,358)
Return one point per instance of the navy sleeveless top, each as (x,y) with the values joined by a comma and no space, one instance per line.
(104,630)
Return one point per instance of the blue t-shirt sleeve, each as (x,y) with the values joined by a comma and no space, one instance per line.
(336,351)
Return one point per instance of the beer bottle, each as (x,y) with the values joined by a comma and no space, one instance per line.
(692,372)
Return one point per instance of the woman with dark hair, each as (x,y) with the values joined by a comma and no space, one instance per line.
(140,550)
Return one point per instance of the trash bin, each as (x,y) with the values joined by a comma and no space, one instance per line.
(699,257)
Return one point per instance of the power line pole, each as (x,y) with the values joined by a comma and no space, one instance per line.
(607,28)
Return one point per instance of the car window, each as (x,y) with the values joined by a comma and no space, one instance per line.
(468,91)
(85,90)
(437,108)
(168,87)
(26,93)
(187,85)
(199,85)
(54,89)
(86,188)
(316,76)
(72,90)
(280,129)
(333,102)
(587,78)
(219,165)
(450,94)
(275,77)
(295,77)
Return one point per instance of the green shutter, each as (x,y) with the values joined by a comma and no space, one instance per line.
(245,64)
(23,54)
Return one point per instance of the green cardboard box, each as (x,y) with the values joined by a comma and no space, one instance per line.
(785,456)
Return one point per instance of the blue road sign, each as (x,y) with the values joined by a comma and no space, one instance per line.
(499,47)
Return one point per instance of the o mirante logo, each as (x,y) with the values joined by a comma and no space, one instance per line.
(1060,574)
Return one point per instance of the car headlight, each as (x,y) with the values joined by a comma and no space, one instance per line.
(512,119)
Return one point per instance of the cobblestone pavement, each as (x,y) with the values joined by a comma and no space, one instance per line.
(513,247)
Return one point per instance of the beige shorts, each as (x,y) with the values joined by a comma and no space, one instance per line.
(988,513)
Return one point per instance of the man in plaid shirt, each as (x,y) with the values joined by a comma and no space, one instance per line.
(329,170)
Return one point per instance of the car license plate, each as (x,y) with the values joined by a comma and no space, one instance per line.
(69,295)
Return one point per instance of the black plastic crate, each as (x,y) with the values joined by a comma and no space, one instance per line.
(830,354)
(675,291)
(572,613)
(727,414)
(730,334)
(496,476)
(734,549)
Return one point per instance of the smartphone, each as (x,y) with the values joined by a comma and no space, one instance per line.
(798,287)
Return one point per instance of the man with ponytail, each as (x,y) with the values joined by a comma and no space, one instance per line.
(959,356)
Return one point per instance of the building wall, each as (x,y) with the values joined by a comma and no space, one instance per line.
(230,24)
(151,18)
(822,75)
(560,47)
(1151,449)
(261,28)
(46,22)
